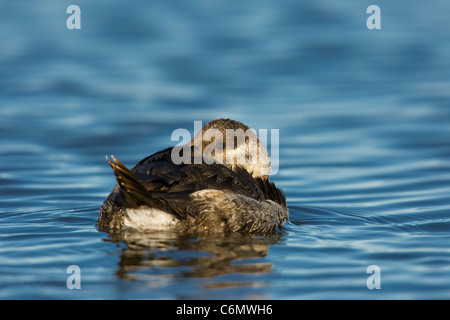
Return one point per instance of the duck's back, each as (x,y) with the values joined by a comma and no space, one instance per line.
(195,197)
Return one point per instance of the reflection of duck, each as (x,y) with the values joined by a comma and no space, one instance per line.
(213,195)
(205,256)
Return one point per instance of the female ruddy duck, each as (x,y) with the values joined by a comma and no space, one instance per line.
(213,192)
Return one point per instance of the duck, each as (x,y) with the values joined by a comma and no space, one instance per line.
(221,187)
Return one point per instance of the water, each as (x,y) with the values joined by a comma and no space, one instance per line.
(364,120)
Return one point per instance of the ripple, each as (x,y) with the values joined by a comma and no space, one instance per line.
(364,153)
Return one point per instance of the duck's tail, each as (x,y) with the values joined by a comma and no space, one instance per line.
(133,192)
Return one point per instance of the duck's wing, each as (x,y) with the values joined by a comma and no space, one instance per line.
(271,192)
(160,175)
(157,172)
(157,182)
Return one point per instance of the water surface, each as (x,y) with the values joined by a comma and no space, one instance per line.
(364,120)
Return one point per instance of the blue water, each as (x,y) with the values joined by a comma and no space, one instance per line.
(364,125)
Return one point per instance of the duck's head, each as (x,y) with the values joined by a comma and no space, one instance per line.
(233,144)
